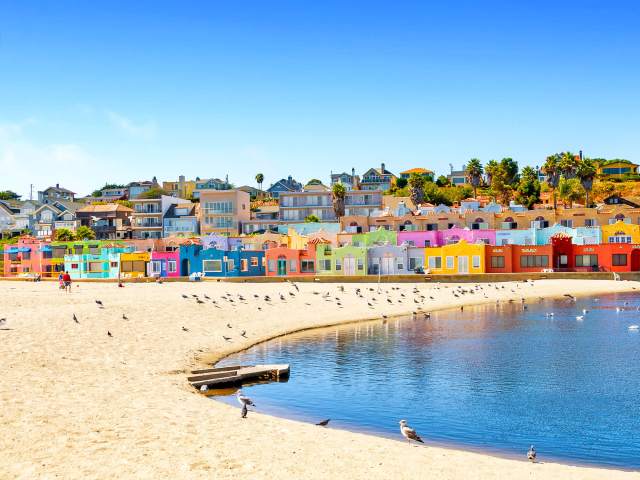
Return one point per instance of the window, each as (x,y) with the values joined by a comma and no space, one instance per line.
(435,262)
(411,243)
(338,264)
(475,261)
(254,261)
(427,243)
(272,265)
(400,263)
(414,262)
(74,266)
(293,265)
(586,260)
(432,227)
(172,266)
(450,262)
(114,264)
(156,267)
(231,265)
(619,259)
(307,266)
(212,265)
(590,222)
(360,264)
(620,237)
(244,265)
(497,262)
(531,261)
(326,265)
(566,223)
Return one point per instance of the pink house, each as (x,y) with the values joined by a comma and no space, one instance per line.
(165,264)
(28,256)
(419,239)
(455,234)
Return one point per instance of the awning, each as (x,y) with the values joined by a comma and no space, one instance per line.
(24,249)
(46,248)
(11,250)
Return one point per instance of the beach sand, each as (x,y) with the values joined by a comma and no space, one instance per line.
(76,403)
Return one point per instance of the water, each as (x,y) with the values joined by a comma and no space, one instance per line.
(493,378)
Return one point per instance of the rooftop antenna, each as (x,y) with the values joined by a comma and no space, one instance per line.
(451,167)
(31,191)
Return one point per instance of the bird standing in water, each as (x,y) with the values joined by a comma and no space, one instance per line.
(531,454)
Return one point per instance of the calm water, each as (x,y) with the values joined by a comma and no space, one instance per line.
(495,378)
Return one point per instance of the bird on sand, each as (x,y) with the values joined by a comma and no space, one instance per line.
(199,301)
(4,320)
(99,302)
(185,329)
(244,400)
(243,334)
(243,412)
(408,432)
(226,338)
(124,317)
(207,297)
(324,423)
(109,333)
(75,319)
(184,296)
(203,388)
(531,454)
(229,325)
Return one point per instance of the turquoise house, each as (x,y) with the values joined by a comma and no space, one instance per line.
(579,235)
(311,227)
(106,264)
(525,236)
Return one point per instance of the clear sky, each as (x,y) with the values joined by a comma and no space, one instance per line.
(124,90)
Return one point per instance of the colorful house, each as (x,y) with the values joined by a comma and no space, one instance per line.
(290,261)
(376,237)
(106,264)
(26,257)
(621,232)
(165,264)
(455,258)
(457,234)
(348,260)
(213,262)
(388,260)
(579,235)
(134,264)
(419,239)
(617,168)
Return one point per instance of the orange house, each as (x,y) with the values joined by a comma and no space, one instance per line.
(284,261)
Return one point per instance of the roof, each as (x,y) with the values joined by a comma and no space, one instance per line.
(59,189)
(109,207)
(268,209)
(418,170)
(379,171)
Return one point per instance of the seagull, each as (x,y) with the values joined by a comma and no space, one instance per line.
(226,338)
(109,333)
(585,311)
(124,317)
(244,334)
(207,296)
(531,454)
(99,302)
(75,319)
(408,432)
(203,388)
(184,296)
(244,401)
(580,318)
(243,412)
(229,325)
(634,327)
(324,423)
(184,329)
(4,320)
(199,301)
(618,309)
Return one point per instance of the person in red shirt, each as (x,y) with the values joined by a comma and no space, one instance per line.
(66,278)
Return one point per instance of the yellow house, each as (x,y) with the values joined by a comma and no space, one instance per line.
(454,259)
(621,232)
(295,240)
(134,265)
(617,168)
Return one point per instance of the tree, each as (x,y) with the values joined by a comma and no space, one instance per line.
(510,167)
(551,169)
(63,235)
(500,177)
(416,188)
(125,203)
(443,181)
(85,233)
(585,173)
(154,192)
(259,179)
(9,195)
(473,172)
(528,190)
(570,190)
(98,193)
(338,193)
(568,165)
(401,182)
(311,219)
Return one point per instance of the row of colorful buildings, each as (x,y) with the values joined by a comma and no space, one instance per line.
(310,249)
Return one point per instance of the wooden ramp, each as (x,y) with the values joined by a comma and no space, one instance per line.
(224,376)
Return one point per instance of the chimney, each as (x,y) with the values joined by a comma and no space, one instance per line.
(57,185)
(353,172)
(382,167)
(289,178)
(181,179)
(580,155)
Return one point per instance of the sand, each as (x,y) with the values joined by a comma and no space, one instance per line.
(76,403)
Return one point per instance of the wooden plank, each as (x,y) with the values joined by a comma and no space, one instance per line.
(217,369)
(227,375)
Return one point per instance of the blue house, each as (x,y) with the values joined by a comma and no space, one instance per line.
(579,235)
(213,262)
(284,185)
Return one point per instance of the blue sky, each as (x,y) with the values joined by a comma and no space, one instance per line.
(120,91)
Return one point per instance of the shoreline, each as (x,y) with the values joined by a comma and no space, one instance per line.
(496,452)
(80,404)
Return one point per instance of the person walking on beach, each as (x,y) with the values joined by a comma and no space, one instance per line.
(61,281)
(66,278)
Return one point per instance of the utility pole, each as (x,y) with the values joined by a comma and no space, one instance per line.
(31,191)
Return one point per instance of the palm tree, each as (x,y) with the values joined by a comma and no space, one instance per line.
(568,165)
(338,193)
(586,172)
(473,172)
(490,170)
(259,179)
(551,169)
(416,187)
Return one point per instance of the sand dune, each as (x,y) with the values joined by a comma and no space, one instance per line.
(76,403)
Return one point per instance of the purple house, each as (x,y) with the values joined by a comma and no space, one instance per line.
(455,234)
(419,238)
(221,242)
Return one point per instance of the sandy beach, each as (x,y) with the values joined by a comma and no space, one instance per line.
(76,403)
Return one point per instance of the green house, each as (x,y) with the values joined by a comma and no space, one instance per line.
(347,260)
(377,237)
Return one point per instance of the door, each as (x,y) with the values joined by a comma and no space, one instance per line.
(387,266)
(463,264)
(184,267)
(349,266)
(282,266)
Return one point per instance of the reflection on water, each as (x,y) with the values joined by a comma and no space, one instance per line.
(492,377)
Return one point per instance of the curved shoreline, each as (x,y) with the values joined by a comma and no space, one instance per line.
(77,403)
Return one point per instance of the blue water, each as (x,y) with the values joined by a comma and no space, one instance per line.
(494,378)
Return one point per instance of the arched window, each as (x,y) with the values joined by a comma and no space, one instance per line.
(479,220)
(408,222)
(509,219)
(619,217)
(453,239)
(353,224)
(539,218)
